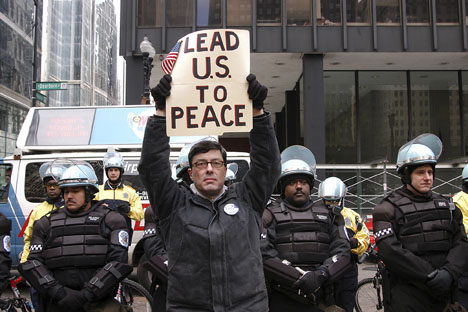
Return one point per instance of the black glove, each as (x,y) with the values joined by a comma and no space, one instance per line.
(353,242)
(311,281)
(73,299)
(161,91)
(257,92)
(440,282)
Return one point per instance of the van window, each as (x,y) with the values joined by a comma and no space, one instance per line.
(34,188)
(5,177)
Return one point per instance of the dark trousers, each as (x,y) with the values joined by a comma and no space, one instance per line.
(279,302)
(463,290)
(409,298)
(345,289)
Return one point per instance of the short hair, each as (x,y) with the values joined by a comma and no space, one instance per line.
(204,147)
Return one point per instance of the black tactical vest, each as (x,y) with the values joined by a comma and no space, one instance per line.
(302,236)
(76,241)
(424,227)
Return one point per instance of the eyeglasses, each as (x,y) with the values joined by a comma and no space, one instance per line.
(203,164)
(52,185)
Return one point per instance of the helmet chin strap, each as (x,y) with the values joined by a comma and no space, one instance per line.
(88,198)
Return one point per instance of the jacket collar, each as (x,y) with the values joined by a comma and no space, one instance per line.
(108,186)
(195,191)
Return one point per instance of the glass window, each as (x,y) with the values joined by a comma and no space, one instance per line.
(149,13)
(269,12)
(208,13)
(380,121)
(465,109)
(340,118)
(418,12)
(5,178)
(239,12)
(329,12)
(447,11)
(299,12)
(358,11)
(388,11)
(441,94)
(179,13)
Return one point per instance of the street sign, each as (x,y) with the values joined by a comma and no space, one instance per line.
(51,85)
(41,97)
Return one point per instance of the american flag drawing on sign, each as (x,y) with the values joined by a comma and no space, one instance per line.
(168,64)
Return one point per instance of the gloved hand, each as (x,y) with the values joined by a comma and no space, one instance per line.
(257,92)
(440,282)
(161,91)
(353,242)
(311,281)
(73,299)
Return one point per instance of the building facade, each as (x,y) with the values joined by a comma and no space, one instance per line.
(362,77)
(80,48)
(16,70)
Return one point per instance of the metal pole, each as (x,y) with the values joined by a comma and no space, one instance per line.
(34,66)
(147,66)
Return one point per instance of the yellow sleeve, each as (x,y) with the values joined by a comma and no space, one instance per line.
(96,195)
(136,209)
(461,200)
(28,232)
(362,235)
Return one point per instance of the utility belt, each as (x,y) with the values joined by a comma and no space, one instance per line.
(323,296)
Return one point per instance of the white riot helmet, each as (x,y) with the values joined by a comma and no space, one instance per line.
(465,174)
(422,150)
(297,160)
(48,172)
(333,190)
(79,174)
(113,159)
(231,173)
(182,163)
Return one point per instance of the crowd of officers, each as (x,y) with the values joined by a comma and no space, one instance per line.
(215,245)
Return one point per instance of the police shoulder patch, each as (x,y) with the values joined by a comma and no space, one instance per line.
(123,238)
(7,243)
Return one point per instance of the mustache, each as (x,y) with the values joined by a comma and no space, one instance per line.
(70,201)
(299,192)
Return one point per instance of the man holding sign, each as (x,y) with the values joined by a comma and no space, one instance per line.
(212,232)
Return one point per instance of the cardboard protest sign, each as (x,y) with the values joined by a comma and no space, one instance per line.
(209,89)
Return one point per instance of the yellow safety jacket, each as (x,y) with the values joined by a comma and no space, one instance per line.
(461,200)
(122,192)
(354,223)
(37,213)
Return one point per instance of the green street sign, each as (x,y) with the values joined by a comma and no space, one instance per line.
(51,85)
(41,97)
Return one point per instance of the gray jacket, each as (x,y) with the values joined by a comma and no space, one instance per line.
(215,262)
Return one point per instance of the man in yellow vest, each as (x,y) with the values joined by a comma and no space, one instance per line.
(54,200)
(461,200)
(332,190)
(127,200)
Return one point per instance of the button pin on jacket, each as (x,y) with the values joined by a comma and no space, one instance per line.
(231,209)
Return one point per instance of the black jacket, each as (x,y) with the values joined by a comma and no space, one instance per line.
(403,263)
(215,262)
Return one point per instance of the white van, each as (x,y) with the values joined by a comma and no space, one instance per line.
(80,133)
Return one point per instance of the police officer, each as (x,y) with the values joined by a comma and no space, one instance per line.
(5,260)
(420,234)
(461,200)
(182,166)
(78,254)
(155,251)
(302,234)
(53,201)
(332,191)
(126,199)
(211,231)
